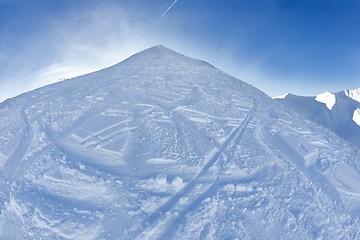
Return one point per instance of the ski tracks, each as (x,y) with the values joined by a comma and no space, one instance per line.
(204,184)
(291,159)
(14,168)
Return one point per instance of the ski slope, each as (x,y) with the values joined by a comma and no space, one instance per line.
(162,146)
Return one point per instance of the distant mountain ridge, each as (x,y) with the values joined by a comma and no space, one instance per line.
(163,146)
(338,111)
(353,93)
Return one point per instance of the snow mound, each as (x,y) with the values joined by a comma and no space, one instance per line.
(354,94)
(356,116)
(327,98)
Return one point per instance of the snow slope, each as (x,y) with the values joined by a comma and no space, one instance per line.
(162,146)
(336,111)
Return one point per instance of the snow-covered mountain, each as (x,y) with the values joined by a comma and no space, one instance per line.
(339,111)
(162,146)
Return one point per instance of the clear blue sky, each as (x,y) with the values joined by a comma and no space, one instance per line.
(299,46)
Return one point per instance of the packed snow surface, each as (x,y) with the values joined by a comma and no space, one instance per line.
(356,116)
(354,94)
(162,146)
(327,98)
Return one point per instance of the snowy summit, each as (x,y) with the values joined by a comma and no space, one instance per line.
(162,146)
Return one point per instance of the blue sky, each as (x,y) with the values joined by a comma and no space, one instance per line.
(299,46)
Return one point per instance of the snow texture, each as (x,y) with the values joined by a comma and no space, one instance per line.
(162,146)
(327,98)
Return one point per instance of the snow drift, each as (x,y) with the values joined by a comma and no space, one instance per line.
(162,146)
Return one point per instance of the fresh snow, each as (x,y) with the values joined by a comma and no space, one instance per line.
(356,116)
(327,98)
(181,151)
(354,94)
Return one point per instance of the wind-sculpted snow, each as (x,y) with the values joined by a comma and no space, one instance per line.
(335,111)
(162,146)
(329,99)
(353,94)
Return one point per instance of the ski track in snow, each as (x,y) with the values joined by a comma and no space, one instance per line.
(159,224)
(15,168)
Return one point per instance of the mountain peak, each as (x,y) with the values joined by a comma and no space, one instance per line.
(162,57)
(158,49)
(155,52)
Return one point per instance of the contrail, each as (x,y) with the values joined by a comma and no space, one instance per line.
(169,8)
